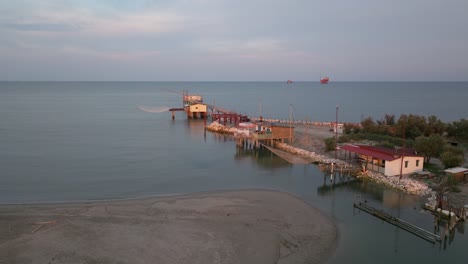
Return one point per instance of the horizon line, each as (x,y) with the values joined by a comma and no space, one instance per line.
(302,81)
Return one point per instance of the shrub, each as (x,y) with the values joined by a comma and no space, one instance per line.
(330,144)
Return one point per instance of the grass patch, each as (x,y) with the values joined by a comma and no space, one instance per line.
(433,168)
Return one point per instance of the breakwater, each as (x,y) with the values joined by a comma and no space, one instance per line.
(405,184)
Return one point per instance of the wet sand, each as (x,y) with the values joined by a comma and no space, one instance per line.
(251,226)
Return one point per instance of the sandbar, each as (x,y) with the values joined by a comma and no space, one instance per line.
(248,226)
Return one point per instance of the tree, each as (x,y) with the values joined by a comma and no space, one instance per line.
(368,125)
(330,144)
(458,129)
(349,128)
(389,119)
(415,126)
(452,157)
(434,126)
(431,146)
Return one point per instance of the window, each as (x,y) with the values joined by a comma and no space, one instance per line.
(417,163)
(406,164)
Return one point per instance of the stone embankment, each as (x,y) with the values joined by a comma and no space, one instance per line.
(218,128)
(406,184)
(309,155)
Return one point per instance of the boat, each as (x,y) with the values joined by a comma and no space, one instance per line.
(324,80)
(289,81)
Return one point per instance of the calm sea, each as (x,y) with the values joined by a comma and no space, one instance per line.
(69,141)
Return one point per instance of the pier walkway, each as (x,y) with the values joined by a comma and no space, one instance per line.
(417,231)
(286,156)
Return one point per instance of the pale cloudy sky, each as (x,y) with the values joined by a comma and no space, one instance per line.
(221,40)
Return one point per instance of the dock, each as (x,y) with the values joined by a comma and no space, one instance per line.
(293,159)
(417,231)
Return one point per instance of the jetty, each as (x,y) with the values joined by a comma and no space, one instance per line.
(293,159)
(278,136)
(415,230)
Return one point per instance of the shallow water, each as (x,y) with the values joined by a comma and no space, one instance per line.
(86,141)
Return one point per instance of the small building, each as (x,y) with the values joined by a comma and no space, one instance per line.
(387,161)
(245,129)
(192,99)
(274,131)
(460,173)
(339,127)
(197,110)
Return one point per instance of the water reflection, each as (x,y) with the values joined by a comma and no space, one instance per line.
(446,229)
(396,204)
(334,193)
(262,157)
(334,180)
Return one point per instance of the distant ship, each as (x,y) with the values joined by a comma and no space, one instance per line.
(324,80)
(289,81)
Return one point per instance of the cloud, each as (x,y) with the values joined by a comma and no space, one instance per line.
(236,47)
(92,22)
(77,52)
(130,24)
(57,27)
(259,50)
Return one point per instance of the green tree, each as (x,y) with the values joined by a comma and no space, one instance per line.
(368,125)
(458,129)
(412,125)
(452,157)
(389,119)
(348,128)
(434,126)
(431,146)
(330,144)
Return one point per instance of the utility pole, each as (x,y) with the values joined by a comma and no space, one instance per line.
(336,133)
(290,124)
(403,149)
(260,110)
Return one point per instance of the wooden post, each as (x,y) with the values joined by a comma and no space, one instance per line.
(336,132)
(204,119)
(173,116)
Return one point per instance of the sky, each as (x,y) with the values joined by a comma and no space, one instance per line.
(236,40)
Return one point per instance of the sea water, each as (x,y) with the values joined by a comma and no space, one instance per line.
(74,141)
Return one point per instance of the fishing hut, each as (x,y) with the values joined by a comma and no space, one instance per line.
(193,105)
(267,133)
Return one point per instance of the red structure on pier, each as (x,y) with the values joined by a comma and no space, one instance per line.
(232,118)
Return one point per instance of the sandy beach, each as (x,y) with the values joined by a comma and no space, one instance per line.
(253,226)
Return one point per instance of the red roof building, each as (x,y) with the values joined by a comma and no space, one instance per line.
(388,161)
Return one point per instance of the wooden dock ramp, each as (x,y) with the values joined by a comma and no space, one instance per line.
(417,231)
(294,159)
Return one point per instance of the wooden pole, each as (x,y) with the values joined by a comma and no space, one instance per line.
(336,132)
(403,150)
(204,119)
(290,124)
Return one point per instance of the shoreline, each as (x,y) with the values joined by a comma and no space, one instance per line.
(232,226)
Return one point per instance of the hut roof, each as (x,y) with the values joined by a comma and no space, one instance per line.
(380,152)
(456,170)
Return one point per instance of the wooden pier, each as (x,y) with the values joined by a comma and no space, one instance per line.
(417,231)
(293,159)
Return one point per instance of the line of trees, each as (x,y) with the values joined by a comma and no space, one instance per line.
(428,136)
